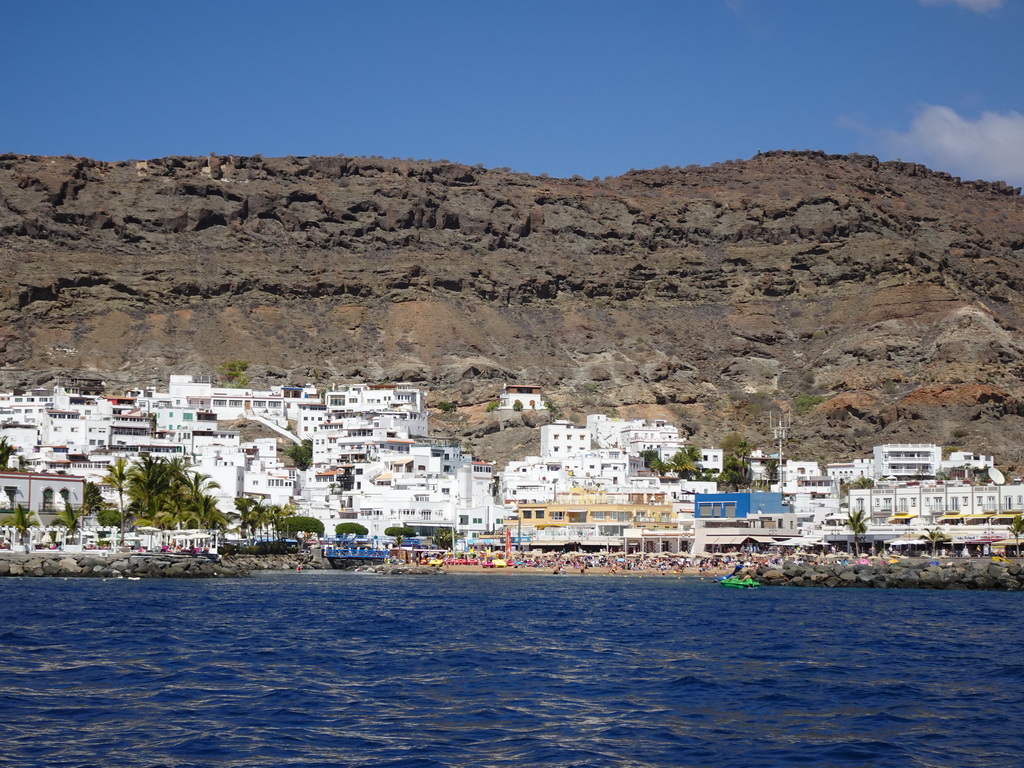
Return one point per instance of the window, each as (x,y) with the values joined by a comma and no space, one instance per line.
(234,403)
(220,403)
(527,514)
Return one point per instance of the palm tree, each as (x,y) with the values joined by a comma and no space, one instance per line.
(742,452)
(22,521)
(684,461)
(196,484)
(6,452)
(117,478)
(243,507)
(208,516)
(858,525)
(399,533)
(68,518)
(935,535)
(1016,530)
(301,454)
(149,481)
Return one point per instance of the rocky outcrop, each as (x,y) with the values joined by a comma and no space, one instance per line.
(972,574)
(295,562)
(399,569)
(707,296)
(116,566)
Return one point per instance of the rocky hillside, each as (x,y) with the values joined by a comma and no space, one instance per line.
(874,301)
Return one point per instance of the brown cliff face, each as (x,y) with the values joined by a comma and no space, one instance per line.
(708,296)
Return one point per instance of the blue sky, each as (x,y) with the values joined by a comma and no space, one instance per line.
(589,87)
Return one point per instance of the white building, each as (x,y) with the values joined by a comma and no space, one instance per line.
(528,396)
(907,461)
(562,439)
(848,471)
(405,404)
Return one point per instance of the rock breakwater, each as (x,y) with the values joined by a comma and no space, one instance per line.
(972,574)
(388,569)
(304,561)
(115,566)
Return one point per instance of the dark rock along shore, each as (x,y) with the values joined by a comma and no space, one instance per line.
(160,565)
(973,574)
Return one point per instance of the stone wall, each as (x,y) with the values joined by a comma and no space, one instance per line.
(971,574)
(65,564)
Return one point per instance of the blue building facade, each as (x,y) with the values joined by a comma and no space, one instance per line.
(737,505)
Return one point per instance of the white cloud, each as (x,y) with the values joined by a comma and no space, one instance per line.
(981,6)
(990,147)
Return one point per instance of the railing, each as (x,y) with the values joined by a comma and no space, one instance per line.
(368,554)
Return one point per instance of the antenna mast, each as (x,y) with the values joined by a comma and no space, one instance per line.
(780,425)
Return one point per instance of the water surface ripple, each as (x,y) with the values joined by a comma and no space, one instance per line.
(333,669)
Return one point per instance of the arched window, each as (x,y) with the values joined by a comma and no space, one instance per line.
(48,500)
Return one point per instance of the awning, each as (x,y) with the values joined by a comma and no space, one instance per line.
(722,539)
(954,516)
(979,517)
(799,541)
(903,516)
(1006,543)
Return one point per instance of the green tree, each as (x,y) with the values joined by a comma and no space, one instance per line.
(22,521)
(733,473)
(934,535)
(233,372)
(350,529)
(150,482)
(250,513)
(301,454)
(399,533)
(92,499)
(117,478)
(68,519)
(302,524)
(446,406)
(805,403)
(443,538)
(857,522)
(108,517)
(771,469)
(684,462)
(652,460)
(1017,530)
(7,451)
(203,512)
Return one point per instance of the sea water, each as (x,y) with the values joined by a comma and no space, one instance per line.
(337,669)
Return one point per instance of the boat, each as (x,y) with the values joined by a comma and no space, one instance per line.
(732,581)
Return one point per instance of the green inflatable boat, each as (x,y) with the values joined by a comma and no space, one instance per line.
(747,583)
